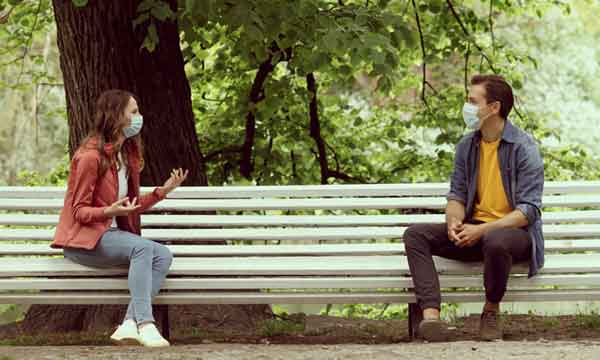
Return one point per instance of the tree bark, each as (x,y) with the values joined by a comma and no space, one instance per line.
(100,50)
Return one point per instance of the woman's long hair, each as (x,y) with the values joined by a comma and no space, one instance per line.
(109,122)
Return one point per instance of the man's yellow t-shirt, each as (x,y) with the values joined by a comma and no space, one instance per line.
(492,203)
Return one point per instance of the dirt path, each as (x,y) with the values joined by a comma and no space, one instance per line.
(465,350)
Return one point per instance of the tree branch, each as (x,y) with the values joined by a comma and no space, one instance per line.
(315,126)
(256,96)
(424,67)
(491,21)
(468,35)
(335,156)
(265,161)
(4,17)
(29,40)
(466,79)
(294,170)
(315,133)
(342,176)
(17,59)
(51,84)
(235,149)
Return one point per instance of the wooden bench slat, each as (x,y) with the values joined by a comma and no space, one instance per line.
(236,250)
(366,266)
(290,298)
(293,233)
(407,189)
(436,203)
(332,233)
(290,250)
(394,265)
(587,216)
(378,282)
(208,298)
(251,204)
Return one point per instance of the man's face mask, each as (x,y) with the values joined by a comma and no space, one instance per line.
(471,116)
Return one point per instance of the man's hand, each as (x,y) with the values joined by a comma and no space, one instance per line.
(470,235)
(454,227)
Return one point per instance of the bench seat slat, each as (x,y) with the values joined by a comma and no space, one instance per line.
(322,282)
(294,233)
(420,189)
(289,250)
(148,220)
(333,233)
(299,204)
(394,265)
(289,298)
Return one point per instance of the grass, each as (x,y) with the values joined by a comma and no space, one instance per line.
(368,311)
(10,313)
(276,327)
(591,321)
(550,322)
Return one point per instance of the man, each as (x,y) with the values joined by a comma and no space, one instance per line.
(493,212)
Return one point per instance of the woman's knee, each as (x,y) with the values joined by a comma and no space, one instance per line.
(142,247)
(164,255)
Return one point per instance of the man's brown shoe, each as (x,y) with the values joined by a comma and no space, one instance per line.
(434,330)
(490,327)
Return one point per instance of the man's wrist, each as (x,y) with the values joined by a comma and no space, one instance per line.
(487,226)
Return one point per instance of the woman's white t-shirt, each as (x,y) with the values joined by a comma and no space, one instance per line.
(123,187)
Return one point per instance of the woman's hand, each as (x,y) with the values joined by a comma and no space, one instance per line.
(178,176)
(121,207)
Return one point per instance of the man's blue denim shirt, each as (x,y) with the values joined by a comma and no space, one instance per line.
(522,170)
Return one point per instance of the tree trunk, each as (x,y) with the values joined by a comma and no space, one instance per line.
(100,50)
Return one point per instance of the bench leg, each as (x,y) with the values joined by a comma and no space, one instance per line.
(165,322)
(415,315)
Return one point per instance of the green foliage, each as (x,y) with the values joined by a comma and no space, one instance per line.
(275,327)
(27,24)
(369,311)
(380,120)
(378,123)
(10,313)
(588,321)
(57,177)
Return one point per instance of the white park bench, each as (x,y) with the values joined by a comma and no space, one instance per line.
(332,244)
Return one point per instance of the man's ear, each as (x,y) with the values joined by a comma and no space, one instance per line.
(495,107)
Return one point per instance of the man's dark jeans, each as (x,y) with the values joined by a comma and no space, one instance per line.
(498,249)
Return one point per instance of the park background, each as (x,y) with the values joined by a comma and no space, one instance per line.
(304,92)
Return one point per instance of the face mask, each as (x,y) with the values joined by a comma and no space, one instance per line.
(137,121)
(471,116)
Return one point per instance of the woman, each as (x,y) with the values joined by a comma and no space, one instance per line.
(99,224)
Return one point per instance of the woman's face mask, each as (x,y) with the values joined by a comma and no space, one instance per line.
(137,121)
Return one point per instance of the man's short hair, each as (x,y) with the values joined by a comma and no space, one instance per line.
(496,89)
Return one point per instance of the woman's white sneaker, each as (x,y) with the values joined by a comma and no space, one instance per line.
(126,333)
(149,336)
